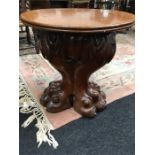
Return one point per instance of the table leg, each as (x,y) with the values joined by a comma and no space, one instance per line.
(76,57)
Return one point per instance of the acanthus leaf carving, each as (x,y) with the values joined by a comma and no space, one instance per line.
(76,57)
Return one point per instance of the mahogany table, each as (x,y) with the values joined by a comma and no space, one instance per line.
(76,42)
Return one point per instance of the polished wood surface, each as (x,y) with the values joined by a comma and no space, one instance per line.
(78,19)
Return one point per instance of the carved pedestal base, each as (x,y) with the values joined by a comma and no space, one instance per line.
(55,99)
(89,102)
(76,57)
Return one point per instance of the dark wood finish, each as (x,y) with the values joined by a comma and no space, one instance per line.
(76,55)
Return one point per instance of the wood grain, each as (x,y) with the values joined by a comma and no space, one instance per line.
(78,19)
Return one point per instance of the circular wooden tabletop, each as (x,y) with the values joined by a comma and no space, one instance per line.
(80,20)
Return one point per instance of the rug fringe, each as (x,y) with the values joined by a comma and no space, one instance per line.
(28,121)
(28,105)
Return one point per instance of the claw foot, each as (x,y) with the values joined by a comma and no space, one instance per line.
(84,106)
(97,95)
(54,98)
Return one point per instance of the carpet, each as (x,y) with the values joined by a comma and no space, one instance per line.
(111,132)
(116,76)
(116,80)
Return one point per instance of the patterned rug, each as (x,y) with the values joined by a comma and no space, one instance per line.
(116,80)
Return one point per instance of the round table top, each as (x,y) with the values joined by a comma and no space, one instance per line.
(78,20)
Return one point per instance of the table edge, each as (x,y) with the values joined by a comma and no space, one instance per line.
(78,30)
